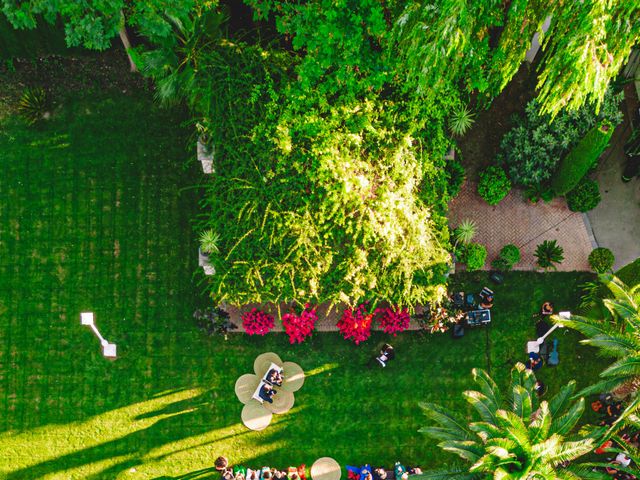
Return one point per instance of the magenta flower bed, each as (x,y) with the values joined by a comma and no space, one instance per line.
(300,327)
(257,322)
(393,319)
(355,324)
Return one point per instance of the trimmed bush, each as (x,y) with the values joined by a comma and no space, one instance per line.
(473,255)
(509,256)
(601,260)
(494,185)
(585,197)
(455,177)
(584,155)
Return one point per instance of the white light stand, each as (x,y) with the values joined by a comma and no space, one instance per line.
(534,345)
(109,350)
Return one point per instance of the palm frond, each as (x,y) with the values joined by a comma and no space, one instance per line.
(446,419)
(560,402)
(568,451)
(440,433)
(483,405)
(587,326)
(522,402)
(487,386)
(599,387)
(625,367)
(565,423)
(453,473)
(539,428)
(466,449)
(615,344)
(485,430)
(514,427)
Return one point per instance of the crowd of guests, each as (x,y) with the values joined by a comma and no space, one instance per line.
(240,472)
(366,472)
(620,466)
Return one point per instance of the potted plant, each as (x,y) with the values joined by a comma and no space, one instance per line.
(205,149)
(208,245)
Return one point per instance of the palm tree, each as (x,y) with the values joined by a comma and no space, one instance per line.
(616,336)
(515,437)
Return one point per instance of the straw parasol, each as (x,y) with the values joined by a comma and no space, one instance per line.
(282,402)
(245,386)
(326,468)
(262,362)
(255,416)
(293,377)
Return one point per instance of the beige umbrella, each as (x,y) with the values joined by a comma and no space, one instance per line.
(255,416)
(262,362)
(326,468)
(293,377)
(282,402)
(245,386)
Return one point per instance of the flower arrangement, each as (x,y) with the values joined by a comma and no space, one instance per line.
(393,319)
(257,322)
(299,327)
(355,324)
(442,319)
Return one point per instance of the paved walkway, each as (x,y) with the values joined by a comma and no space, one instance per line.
(514,220)
(616,220)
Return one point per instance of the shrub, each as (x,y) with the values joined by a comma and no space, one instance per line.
(509,256)
(355,324)
(214,321)
(465,232)
(209,241)
(257,322)
(461,120)
(473,255)
(300,327)
(601,260)
(585,197)
(33,105)
(393,319)
(582,157)
(531,150)
(494,185)
(548,254)
(455,177)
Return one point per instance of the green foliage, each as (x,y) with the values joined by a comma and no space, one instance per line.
(617,336)
(473,256)
(532,149)
(582,157)
(601,260)
(456,177)
(33,105)
(465,232)
(461,120)
(509,256)
(549,253)
(512,434)
(493,185)
(209,241)
(585,197)
(584,49)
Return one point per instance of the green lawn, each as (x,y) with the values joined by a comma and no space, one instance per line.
(96,212)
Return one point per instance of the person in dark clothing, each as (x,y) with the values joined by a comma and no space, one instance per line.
(266,392)
(535,362)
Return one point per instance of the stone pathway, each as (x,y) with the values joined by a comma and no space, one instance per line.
(516,221)
(616,220)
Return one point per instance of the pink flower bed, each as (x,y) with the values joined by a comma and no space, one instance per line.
(257,322)
(393,319)
(355,324)
(300,327)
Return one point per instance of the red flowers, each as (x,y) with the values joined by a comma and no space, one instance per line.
(356,324)
(299,327)
(393,319)
(257,322)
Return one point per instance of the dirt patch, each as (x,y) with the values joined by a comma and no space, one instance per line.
(480,145)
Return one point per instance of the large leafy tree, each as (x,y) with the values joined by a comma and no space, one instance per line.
(93,25)
(616,335)
(481,45)
(514,436)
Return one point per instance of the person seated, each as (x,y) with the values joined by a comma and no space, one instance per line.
(387,353)
(415,471)
(365,473)
(379,474)
(252,474)
(265,473)
(457,299)
(221,463)
(547,308)
(400,471)
(534,363)
(278,474)
(302,472)
(266,393)
(486,298)
(274,377)
(227,474)
(540,388)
